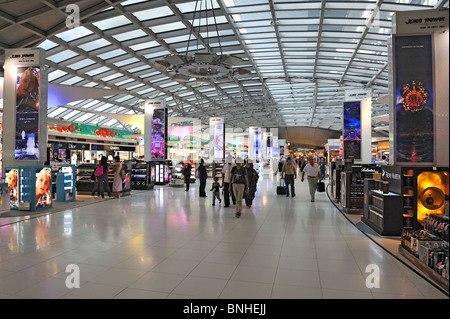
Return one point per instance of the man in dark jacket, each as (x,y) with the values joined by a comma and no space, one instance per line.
(187,175)
(202,175)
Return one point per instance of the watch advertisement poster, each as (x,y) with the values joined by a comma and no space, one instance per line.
(352,130)
(414,105)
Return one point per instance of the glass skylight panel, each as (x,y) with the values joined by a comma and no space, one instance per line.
(94,72)
(72,80)
(93,45)
(112,23)
(168,27)
(62,56)
(55,74)
(70,115)
(111,122)
(111,77)
(81,64)
(73,34)
(145,45)
(125,62)
(124,82)
(84,117)
(129,35)
(47,45)
(103,107)
(129,2)
(145,91)
(153,13)
(110,54)
(56,112)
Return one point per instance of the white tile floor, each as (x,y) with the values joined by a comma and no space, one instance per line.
(167,243)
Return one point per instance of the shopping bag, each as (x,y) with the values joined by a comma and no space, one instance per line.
(320,187)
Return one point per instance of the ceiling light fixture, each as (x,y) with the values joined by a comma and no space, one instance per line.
(203,66)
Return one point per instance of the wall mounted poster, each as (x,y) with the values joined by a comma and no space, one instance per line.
(159,133)
(352,130)
(414,107)
(27,113)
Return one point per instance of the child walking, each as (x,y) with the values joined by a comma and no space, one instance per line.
(215,188)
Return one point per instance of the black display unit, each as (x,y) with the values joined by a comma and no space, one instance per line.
(382,208)
(141,176)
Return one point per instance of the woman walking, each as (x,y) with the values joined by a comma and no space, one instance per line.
(117,183)
(103,179)
(252,177)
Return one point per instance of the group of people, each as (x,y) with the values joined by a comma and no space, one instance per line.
(100,177)
(239,182)
(311,170)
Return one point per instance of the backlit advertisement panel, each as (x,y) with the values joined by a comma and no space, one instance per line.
(27,113)
(414,105)
(352,130)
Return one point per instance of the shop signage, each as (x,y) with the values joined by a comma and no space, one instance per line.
(422,21)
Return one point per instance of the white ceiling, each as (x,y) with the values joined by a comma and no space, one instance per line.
(302,55)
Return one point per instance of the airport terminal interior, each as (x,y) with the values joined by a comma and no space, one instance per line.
(224,149)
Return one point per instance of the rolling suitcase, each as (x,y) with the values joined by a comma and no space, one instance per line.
(281,189)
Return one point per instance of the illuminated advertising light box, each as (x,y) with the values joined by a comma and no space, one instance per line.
(159,133)
(11,178)
(352,130)
(27,113)
(43,187)
(414,105)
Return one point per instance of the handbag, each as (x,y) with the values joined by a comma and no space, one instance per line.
(122,173)
(99,171)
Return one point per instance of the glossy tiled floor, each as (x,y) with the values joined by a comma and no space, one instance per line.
(168,243)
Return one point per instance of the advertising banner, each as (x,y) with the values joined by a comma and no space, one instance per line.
(352,130)
(254,143)
(25,106)
(217,136)
(414,99)
(159,133)
(43,187)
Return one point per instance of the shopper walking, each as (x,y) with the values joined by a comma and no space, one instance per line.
(252,177)
(117,182)
(226,182)
(290,174)
(312,171)
(202,175)
(94,178)
(187,175)
(103,179)
(239,182)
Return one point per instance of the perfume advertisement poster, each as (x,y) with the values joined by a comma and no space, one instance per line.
(11,178)
(414,107)
(27,113)
(159,134)
(269,147)
(352,130)
(43,187)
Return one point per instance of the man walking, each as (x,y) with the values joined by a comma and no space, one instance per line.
(226,182)
(312,172)
(187,175)
(290,174)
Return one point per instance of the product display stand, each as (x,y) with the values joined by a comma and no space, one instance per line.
(65,183)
